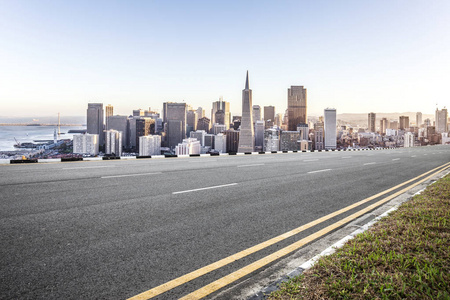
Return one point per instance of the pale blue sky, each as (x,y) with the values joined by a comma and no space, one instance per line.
(356,56)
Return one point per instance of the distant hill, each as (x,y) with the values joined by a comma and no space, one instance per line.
(44,120)
(361,119)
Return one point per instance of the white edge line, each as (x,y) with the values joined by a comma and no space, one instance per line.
(130,175)
(205,188)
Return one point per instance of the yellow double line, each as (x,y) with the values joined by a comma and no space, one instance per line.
(224,281)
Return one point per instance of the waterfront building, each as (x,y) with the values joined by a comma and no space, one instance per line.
(232,137)
(246,136)
(220,143)
(290,140)
(149,145)
(188,146)
(272,139)
(86,144)
(297,107)
(330,128)
(441,120)
(113,142)
(403,122)
(371,122)
(95,121)
(175,118)
(269,116)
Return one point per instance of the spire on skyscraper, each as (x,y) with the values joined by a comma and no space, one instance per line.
(246,82)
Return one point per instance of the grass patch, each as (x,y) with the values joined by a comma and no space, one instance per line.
(405,255)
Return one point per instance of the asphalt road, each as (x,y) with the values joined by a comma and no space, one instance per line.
(113,229)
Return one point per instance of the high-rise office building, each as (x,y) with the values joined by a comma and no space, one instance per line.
(278,120)
(109,110)
(218,128)
(192,119)
(383,125)
(330,128)
(256,113)
(418,119)
(138,112)
(175,118)
(220,117)
(199,135)
(223,106)
(403,122)
(85,144)
(371,122)
(149,145)
(269,116)
(113,142)
(120,123)
(246,136)
(297,106)
(210,141)
(408,139)
(441,119)
(220,143)
(203,124)
(200,113)
(95,121)
(144,126)
(232,137)
(259,135)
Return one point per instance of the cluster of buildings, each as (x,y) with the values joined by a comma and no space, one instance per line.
(181,129)
(397,133)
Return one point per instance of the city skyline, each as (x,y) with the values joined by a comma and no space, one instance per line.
(356,57)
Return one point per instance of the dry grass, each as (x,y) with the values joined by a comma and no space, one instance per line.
(405,255)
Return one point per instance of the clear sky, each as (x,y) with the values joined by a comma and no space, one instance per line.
(356,56)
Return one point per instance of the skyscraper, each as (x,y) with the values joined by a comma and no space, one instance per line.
(225,107)
(383,125)
(113,142)
(330,128)
(418,119)
(269,116)
(403,122)
(256,112)
(371,122)
(175,118)
(441,120)
(246,136)
(120,123)
(144,126)
(297,106)
(95,121)
(109,112)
